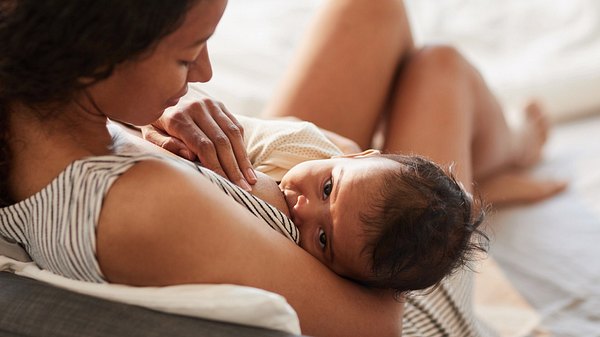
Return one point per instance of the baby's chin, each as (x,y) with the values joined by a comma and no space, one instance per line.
(267,189)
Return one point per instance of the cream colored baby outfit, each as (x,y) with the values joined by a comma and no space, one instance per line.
(275,146)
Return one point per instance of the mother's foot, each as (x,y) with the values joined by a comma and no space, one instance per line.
(530,137)
(514,187)
(514,184)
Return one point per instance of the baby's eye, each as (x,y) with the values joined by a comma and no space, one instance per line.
(322,239)
(327,188)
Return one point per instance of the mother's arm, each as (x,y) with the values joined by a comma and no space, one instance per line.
(164,225)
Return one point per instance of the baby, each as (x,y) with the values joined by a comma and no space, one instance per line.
(388,221)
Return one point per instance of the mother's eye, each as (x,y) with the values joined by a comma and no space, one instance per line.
(327,188)
(186,64)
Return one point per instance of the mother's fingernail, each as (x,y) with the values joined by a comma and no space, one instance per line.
(187,154)
(251,173)
(243,184)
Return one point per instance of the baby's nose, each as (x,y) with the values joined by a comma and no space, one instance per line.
(302,210)
(301,200)
(301,203)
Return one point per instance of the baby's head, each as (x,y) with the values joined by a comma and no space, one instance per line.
(387,221)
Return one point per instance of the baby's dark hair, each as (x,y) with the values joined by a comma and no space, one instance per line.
(50,50)
(421,227)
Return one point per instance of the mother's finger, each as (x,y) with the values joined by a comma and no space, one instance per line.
(235,133)
(181,124)
(167,142)
(215,124)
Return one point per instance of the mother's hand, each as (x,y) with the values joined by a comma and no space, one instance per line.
(203,129)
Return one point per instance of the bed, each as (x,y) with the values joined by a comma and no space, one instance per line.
(550,50)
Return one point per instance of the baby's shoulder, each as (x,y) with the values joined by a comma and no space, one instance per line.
(280,128)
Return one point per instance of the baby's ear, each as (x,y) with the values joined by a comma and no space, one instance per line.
(363,154)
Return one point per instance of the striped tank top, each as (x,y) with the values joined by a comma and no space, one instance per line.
(57,225)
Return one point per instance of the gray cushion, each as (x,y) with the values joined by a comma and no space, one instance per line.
(30,308)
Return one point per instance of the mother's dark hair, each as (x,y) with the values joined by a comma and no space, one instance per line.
(52,49)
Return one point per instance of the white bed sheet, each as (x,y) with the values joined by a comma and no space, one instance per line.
(544,48)
(550,251)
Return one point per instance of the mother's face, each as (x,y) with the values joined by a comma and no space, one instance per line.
(139,90)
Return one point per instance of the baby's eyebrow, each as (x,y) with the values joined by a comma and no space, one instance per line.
(337,184)
(336,188)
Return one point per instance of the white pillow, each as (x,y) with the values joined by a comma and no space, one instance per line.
(219,302)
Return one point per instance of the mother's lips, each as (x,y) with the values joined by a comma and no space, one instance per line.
(173,101)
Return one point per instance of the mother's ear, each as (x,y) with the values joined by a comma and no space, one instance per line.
(363,154)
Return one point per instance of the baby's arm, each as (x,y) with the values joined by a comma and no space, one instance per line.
(346,145)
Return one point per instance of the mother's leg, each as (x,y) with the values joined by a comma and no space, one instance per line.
(346,67)
(432,112)
(443,109)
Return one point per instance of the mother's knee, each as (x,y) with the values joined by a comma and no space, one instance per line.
(444,58)
(390,13)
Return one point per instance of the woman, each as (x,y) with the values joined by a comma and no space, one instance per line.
(156,222)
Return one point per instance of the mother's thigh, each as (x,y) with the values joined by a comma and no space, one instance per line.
(433,111)
(344,70)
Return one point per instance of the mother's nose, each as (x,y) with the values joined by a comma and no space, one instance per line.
(201,71)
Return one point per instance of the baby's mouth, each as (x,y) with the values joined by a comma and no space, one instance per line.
(291,198)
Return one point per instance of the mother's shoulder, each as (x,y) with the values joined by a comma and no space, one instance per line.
(147,210)
(147,174)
